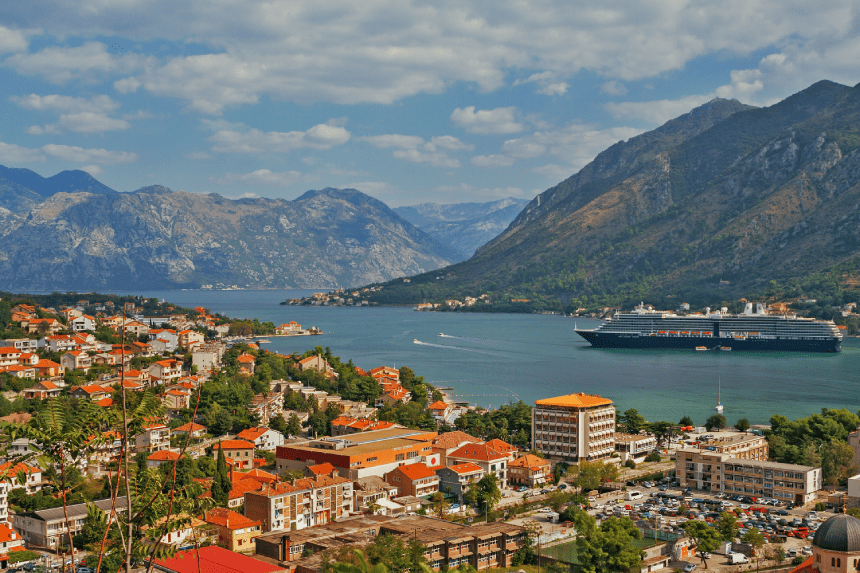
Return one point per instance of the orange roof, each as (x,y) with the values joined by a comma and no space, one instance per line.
(530,461)
(321,469)
(501,446)
(8,534)
(252,434)
(480,452)
(234,445)
(9,350)
(580,400)
(240,487)
(46,384)
(466,468)
(224,517)
(806,567)
(245,358)
(416,471)
(176,393)
(91,388)
(11,471)
(189,427)
(105,402)
(255,474)
(454,439)
(438,405)
(163,456)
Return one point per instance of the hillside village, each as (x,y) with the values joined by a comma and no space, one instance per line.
(287,463)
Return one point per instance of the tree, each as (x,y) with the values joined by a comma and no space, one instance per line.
(742,425)
(686,421)
(707,538)
(294,427)
(470,496)
(608,548)
(631,421)
(652,457)
(21,556)
(439,504)
(717,421)
(837,462)
(727,525)
(754,537)
(278,424)
(489,493)
(221,484)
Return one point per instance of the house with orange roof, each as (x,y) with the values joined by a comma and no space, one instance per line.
(458,478)
(20,371)
(246,362)
(176,399)
(440,410)
(386,372)
(82,322)
(263,438)
(393,396)
(76,360)
(189,338)
(301,503)
(235,531)
(70,313)
(10,356)
(414,479)
(166,370)
(135,328)
(267,406)
(105,402)
(238,453)
(10,542)
(291,327)
(154,437)
(155,459)
(491,461)
(529,470)
(43,389)
(503,447)
(316,362)
(59,343)
(42,325)
(320,469)
(574,427)
(254,474)
(345,425)
(28,359)
(90,391)
(196,430)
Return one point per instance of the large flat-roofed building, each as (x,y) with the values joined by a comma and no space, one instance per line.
(362,454)
(447,545)
(724,473)
(741,445)
(576,427)
(630,446)
(47,527)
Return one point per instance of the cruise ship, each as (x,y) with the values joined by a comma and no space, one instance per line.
(754,329)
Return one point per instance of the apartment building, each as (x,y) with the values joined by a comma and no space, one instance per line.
(154,437)
(742,445)
(574,428)
(447,545)
(301,503)
(48,527)
(459,477)
(10,473)
(529,470)
(235,530)
(716,472)
(362,454)
(414,479)
(631,446)
(488,459)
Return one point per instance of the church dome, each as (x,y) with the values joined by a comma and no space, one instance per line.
(839,533)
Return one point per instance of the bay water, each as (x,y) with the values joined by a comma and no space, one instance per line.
(491,359)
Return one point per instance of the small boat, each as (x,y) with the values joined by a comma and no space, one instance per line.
(264,341)
(701,348)
(726,348)
(719,406)
(440,334)
(416,341)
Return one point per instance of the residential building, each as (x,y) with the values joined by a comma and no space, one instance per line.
(446,443)
(42,390)
(372,490)
(239,453)
(414,479)
(90,391)
(10,542)
(854,491)
(176,399)
(263,438)
(458,478)
(166,371)
(529,470)
(234,529)
(363,454)
(574,428)
(291,327)
(631,446)
(266,406)
(246,363)
(395,395)
(196,430)
(504,448)
(301,503)
(207,357)
(76,360)
(32,483)
(9,356)
(447,545)
(190,338)
(82,322)
(154,437)
(440,410)
(741,445)
(48,527)
(316,362)
(723,473)
(22,344)
(160,457)
(854,442)
(345,425)
(491,461)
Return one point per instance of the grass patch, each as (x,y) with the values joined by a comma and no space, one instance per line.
(567,551)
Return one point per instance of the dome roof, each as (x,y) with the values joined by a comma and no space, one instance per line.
(839,533)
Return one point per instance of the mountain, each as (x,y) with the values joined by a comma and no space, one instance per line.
(463,226)
(155,238)
(63,182)
(724,193)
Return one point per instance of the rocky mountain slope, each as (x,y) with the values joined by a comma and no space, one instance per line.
(158,238)
(726,192)
(463,226)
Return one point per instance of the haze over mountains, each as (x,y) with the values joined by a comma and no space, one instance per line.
(726,192)
(71,232)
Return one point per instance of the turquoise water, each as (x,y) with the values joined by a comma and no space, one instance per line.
(490,359)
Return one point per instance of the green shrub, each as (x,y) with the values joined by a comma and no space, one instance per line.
(630,464)
(653,457)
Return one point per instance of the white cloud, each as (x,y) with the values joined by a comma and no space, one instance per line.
(656,112)
(499,120)
(11,153)
(319,137)
(414,149)
(260,177)
(12,40)
(492,161)
(553,171)
(614,88)
(558,88)
(61,64)
(81,155)
(575,144)
(69,104)
(463,190)
(550,85)
(93,170)
(89,122)
(127,85)
(44,129)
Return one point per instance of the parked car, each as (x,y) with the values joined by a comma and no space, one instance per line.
(689,567)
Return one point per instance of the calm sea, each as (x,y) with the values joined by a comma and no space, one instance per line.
(490,359)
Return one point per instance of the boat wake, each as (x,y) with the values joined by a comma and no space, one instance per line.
(416,341)
(486,341)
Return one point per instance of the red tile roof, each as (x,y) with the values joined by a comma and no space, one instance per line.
(224,517)
(105,402)
(190,427)
(245,359)
(163,456)
(251,434)
(530,461)
(321,469)
(466,468)
(478,452)
(453,439)
(214,559)
(502,447)
(416,471)
(438,405)
(8,534)
(234,445)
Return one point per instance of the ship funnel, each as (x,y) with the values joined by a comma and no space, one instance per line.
(759,308)
(748,308)
(724,310)
(707,310)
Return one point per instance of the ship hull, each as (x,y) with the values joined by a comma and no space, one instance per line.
(632,340)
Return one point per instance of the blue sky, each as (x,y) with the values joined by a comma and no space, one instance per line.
(444,101)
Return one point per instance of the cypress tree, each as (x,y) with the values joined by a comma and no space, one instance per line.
(221,483)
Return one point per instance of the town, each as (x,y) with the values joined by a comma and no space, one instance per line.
(175,440)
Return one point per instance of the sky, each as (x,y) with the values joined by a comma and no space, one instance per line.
(407,101)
